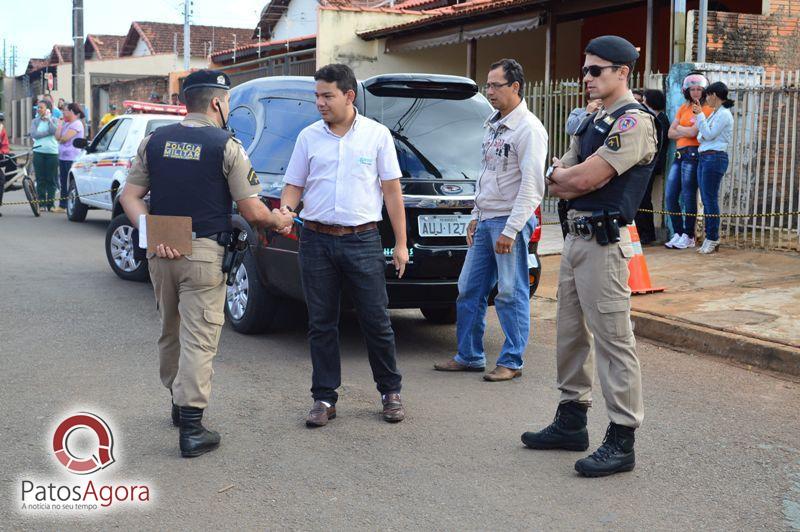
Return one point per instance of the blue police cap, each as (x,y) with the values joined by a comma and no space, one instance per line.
(207,79)
(613,48)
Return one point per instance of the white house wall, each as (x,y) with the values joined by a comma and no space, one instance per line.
(298,21)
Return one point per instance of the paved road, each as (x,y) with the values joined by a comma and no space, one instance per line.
(719,449)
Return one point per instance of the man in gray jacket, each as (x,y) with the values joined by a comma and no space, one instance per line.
(509,189)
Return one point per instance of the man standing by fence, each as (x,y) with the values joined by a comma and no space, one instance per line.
(509,189)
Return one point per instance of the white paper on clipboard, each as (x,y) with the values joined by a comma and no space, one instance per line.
(143,231)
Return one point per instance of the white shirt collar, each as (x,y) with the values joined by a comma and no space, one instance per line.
(352,126)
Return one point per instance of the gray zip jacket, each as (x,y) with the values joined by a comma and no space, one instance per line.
(512,177)
(35,127)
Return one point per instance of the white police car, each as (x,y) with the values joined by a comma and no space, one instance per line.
(98,175)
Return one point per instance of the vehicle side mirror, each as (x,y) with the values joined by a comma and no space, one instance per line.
(80,143)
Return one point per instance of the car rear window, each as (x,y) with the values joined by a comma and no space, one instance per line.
(284,119)
(434,138)
(152,125)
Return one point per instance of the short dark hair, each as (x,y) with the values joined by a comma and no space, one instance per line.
(512,71)
(76,109)
(337,73)
(655,99)
(197,100)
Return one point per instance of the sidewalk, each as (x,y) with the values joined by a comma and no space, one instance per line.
(737,304)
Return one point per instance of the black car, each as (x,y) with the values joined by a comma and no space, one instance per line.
(437,123)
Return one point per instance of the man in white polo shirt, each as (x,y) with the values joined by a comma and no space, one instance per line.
(344,168)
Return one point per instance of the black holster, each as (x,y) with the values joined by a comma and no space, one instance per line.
(606,226)
(234,254)
(562,217)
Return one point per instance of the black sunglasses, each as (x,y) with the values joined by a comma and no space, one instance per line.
(596,71)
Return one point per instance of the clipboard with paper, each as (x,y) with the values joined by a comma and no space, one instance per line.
(172,231)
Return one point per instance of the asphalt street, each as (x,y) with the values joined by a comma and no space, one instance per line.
(719,449)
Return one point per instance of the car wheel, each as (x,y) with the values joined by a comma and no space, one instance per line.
(76,211)
(119,251)
(250,307)
(440,315)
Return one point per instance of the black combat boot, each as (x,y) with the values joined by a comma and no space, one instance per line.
(176,415)
(195,439)
(614,456)
(567,431)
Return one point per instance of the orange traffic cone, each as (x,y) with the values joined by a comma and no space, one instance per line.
(639,280)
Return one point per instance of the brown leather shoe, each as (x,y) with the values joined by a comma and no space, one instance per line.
(501,373)
(393,408)
(452,365)
(320,414)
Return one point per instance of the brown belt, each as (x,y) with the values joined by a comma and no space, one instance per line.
(338,230)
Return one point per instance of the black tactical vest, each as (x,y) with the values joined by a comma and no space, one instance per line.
(623,192)
(186,177)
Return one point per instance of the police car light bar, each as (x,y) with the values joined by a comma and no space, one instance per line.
(146,107)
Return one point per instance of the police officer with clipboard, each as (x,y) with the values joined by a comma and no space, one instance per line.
(194,168)
(601,181)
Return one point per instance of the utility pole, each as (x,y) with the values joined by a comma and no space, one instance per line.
(702,30)
(187,13)
(5,71)
(78,77)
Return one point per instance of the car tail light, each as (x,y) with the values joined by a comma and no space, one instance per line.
(537,233)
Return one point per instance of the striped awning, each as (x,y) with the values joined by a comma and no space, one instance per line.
(461,34)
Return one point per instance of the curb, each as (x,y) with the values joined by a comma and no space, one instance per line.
(705,340)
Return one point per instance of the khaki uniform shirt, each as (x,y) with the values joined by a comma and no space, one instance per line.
(243,182)
(632,141)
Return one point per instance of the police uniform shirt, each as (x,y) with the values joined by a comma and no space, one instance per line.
(242,180)
(631,141)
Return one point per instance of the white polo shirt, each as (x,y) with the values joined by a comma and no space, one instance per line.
(341,176)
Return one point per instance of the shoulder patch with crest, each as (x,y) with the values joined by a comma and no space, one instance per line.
(626,123)
(614,142)
(252,177)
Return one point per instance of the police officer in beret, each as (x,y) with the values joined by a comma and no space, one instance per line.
(601,181)
(194,168)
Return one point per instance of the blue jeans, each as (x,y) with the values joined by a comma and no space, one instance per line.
(63,168)
(483,269)
(355,263)
(682,189)
(710,171)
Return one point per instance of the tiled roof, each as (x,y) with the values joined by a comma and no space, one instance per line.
(101,47)
(160,38)
(62,53)
(36,64)
(449,14)
(421,4)
(372,9)
(264,45)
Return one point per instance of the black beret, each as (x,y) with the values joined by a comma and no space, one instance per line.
(207,78)
(612,48)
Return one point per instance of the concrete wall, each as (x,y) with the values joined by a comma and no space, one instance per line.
(299,20)
(338,42)
(151,65)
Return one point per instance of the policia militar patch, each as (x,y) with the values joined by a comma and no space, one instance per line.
(614,142)
(185,151)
